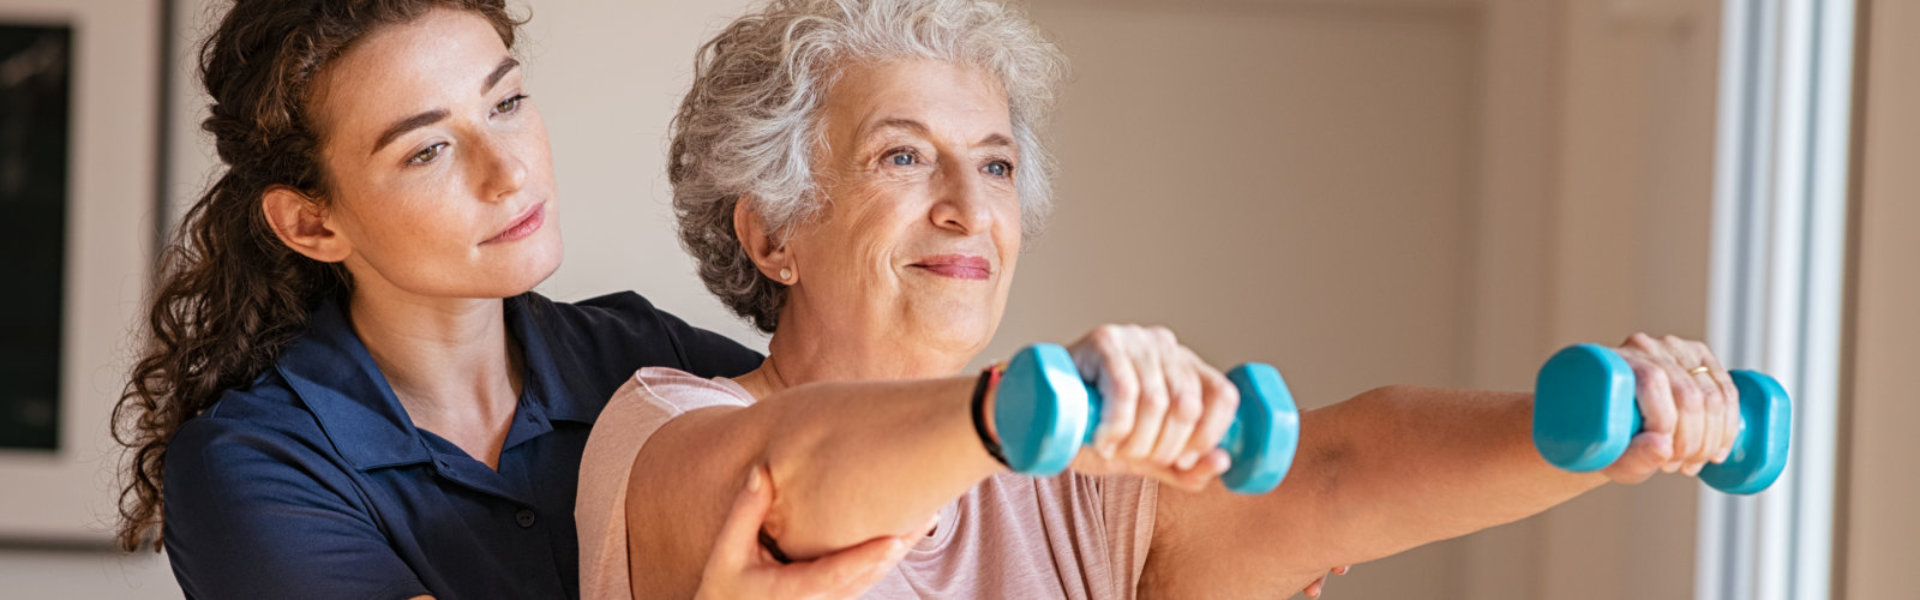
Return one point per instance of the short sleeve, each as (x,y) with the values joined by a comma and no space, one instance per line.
(637,410)
(256,514)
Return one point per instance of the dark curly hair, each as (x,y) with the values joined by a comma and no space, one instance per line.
(228,294)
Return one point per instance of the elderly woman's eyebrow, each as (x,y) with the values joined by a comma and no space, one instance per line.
(917,128)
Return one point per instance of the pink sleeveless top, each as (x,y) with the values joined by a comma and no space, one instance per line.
(1011,536)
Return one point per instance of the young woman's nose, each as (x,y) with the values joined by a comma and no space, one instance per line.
(502,168)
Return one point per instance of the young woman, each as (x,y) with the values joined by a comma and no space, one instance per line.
(348,389)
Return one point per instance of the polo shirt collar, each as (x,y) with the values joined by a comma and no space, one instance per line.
(335,376)
(558,389)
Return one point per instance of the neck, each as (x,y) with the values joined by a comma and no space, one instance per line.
(449,360)
(800,353)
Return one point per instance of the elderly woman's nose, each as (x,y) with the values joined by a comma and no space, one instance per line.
(963,203)
(501,167)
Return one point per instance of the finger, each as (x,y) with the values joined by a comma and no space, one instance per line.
(1690,437)
(1712,413)
(1195,479)
(1651,391)
(1152,404)
(1313,589)
(1342,570)
(1669,388)
(843,574)
(1647,454)
(1222,402)
(1184,403)
(1731,393)
(739,539)
(1101,360)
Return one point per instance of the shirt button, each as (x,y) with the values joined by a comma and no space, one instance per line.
(525,517)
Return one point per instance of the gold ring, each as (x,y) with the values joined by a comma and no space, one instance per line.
(1698,370)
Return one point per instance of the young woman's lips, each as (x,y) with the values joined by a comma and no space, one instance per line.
(957,266)
(522,227)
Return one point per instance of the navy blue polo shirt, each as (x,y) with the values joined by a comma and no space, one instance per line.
(312,482)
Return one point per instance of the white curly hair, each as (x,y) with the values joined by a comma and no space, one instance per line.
(749,125)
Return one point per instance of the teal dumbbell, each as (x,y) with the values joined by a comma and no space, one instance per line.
(1044,412)
(1585,414)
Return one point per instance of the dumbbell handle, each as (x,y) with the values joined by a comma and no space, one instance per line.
(1586,413)
(1044,412)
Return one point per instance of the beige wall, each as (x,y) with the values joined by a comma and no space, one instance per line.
(1390,191)
(1881,528)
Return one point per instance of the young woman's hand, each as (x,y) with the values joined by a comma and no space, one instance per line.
(1165,409)
(740,568)
(1689,408)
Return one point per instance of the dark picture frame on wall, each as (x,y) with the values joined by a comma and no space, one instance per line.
(83,105)
(35,127)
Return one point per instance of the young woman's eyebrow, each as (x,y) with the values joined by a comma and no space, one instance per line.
(433,116)
(506,66)
(408,124)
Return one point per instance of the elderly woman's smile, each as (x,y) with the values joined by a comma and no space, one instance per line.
(957,266)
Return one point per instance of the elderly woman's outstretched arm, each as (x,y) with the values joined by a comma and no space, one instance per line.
(855,461)
(1399,467)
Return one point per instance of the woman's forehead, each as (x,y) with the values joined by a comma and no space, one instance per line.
(932,96)
(445,57)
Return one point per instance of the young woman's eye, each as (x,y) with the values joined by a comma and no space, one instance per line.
(509,105)
(426,155)
(999,168)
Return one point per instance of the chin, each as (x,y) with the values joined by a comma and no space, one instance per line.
(967,334)
(522,272)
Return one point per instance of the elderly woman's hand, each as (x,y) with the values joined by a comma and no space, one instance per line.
(1688,405)
(1165,409)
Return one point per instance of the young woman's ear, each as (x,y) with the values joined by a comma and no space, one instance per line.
(771,257)
(302,224)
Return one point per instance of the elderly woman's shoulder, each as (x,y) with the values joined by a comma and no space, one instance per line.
(627,330)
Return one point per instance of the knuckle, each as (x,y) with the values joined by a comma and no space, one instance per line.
(1228,400)
(1163,334)
(1689,398)
(1654,376)
(1186,409)
(1154,401)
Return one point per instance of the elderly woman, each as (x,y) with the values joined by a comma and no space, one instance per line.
(857,177)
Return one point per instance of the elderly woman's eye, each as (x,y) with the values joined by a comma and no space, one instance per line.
(426,155)
(902,158)
(999,168)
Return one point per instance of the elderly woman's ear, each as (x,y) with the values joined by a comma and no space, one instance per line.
(770,256)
